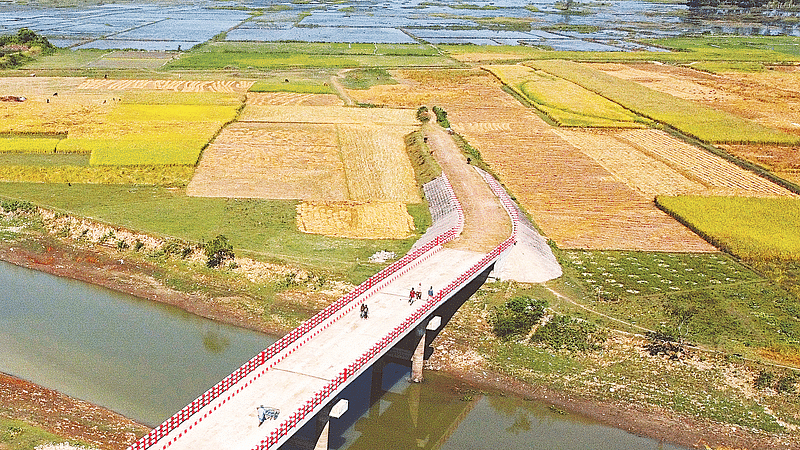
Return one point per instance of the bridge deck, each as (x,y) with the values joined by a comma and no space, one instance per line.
(289,384)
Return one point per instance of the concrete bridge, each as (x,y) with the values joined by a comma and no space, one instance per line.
(301,374)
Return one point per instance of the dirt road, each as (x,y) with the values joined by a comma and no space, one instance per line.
(486,223)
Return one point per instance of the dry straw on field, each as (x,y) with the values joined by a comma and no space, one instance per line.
(361,220)
(292,99)
(574,200)
(655,163)
(167,85)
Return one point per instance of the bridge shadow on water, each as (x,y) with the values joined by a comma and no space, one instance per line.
(386,410)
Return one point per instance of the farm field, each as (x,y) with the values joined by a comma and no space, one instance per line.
(707,124)
(119,122)
(769,98)
(750,228)
(285,150)
(573,198)
(655,163)
(566,103)
(356,220)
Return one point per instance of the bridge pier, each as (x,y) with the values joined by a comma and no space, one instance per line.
(418,358)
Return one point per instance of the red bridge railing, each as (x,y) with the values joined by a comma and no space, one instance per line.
(296,338)
(356,367)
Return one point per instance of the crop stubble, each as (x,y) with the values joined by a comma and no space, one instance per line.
(349,165)
(574,199)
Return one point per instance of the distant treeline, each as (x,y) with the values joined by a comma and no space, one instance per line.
(775,4)
(16,49)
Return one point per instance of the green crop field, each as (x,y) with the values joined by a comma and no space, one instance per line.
(684,50)
(750,228)
(265,227)
(705,298)
(566,103)
(693,119)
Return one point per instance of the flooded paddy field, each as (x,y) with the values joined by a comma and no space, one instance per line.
(557,25)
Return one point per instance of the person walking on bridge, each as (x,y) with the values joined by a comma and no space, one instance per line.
(411,296)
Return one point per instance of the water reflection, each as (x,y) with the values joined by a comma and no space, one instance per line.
(140,358)
(388,412)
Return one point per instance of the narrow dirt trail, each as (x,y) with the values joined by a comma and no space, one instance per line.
(486,223)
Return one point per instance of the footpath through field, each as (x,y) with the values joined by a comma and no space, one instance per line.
(301,377)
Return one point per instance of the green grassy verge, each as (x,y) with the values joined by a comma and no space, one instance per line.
(750,228)
(426,169)
(19,435)
(241,60)
(264,228)
(566,103)
(701,122)
(366,78)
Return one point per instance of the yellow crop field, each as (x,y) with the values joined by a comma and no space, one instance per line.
(564,102)
(269,160)
(358,220)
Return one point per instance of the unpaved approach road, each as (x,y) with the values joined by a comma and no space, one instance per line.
(486,223)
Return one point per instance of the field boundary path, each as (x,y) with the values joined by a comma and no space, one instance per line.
(301,374)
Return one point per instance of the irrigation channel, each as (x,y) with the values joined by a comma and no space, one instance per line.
(119,351)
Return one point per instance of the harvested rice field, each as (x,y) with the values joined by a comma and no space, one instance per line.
(771,98)
(574,199)
(356,220)
(229,86)
(655,163)
(350,163)
(292,99)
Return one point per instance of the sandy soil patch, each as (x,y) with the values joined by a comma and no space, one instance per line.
(572,197)
(168,85)
(356,220)
(292,99)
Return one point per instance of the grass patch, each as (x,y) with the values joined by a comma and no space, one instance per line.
(566,103)
(366,78)
(704,298)
(706,124)
(426,169)
(19,435)
(728,66)
(300,87)
(750,228)
(264,228)
(43,159)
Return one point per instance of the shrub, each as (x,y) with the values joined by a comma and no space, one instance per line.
(517,316)
(565,332)
(218,250)
(422,114)
(764,379)
(441,117)
(786,384)
(17,205)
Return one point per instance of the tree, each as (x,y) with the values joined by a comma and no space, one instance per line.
(218,250)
